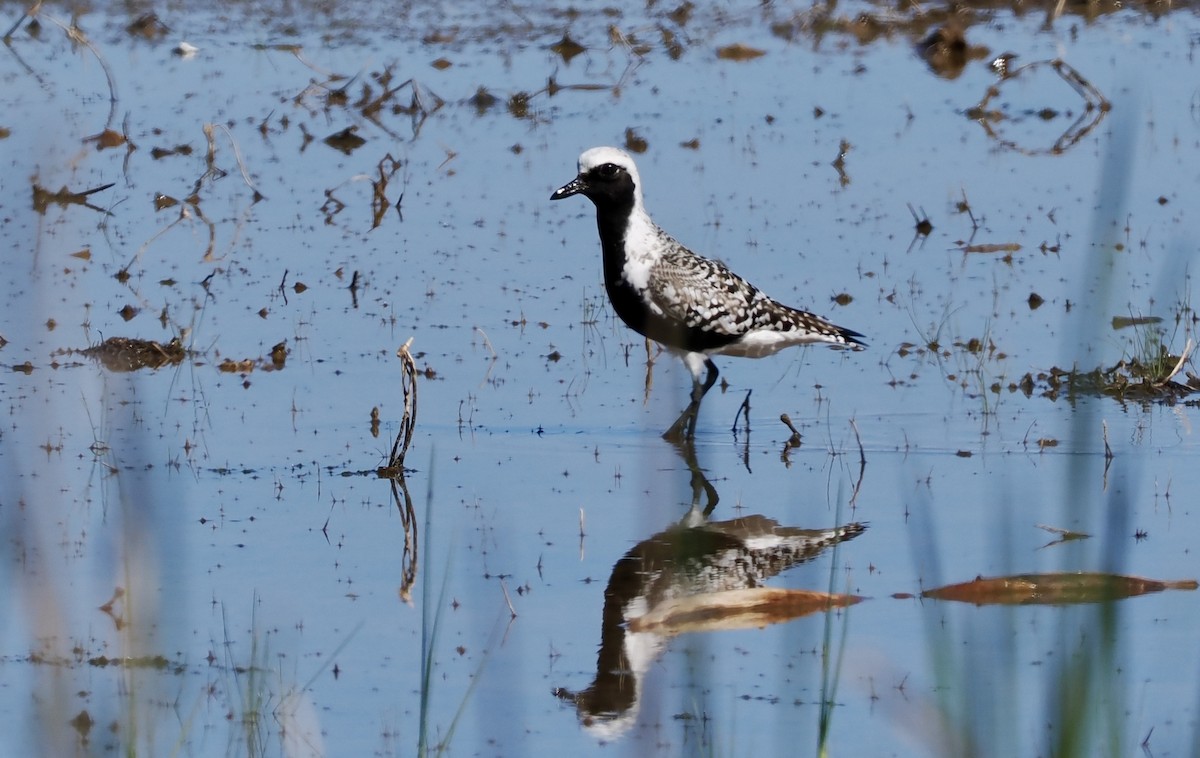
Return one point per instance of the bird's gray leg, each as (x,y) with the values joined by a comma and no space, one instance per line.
(710,378)
(687,419)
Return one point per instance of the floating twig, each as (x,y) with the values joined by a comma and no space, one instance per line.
(1094,110)
(508,599)
(237,156)
(744,408)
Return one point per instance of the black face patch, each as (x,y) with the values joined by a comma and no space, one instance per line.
(609,186)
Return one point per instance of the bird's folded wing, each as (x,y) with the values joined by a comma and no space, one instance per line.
(704,294)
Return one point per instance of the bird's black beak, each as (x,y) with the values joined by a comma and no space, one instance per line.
(573,187)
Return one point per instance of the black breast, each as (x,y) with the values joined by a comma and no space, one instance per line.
(630,304)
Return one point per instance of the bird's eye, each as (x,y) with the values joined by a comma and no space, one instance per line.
(608,171)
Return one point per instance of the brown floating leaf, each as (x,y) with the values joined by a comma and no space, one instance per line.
(739,52)
(482,100)
(148,26)
(441,64)
(162,152)
(82,723)
(736,609)
(347,141)
(106,138)
(634,142)
(279,355)
(1054,589)
(683,13)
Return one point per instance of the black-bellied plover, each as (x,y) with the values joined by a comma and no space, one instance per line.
(692,305)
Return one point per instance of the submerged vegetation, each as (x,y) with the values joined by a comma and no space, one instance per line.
(1149,375)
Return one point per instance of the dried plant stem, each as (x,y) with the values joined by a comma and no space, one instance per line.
(1187,350)
(408,423)
(76,35)
(30,13)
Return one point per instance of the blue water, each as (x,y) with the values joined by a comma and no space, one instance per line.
(218,501)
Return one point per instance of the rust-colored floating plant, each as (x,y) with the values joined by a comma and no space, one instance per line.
(1054,589)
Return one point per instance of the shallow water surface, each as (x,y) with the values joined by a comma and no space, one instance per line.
(202,560)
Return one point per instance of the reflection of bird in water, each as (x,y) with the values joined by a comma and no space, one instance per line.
(693,305)
(692,577)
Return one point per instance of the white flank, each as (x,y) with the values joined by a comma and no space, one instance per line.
(764,342)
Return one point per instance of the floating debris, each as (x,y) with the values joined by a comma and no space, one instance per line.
(1124,322)
(42,197)
(946,51)
(1147,379)
(148,26)
(125,354)
(107,139)
(567,48)
(1095,107)
(482,101)
(1000,247)
(276,361)
(1063,535)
